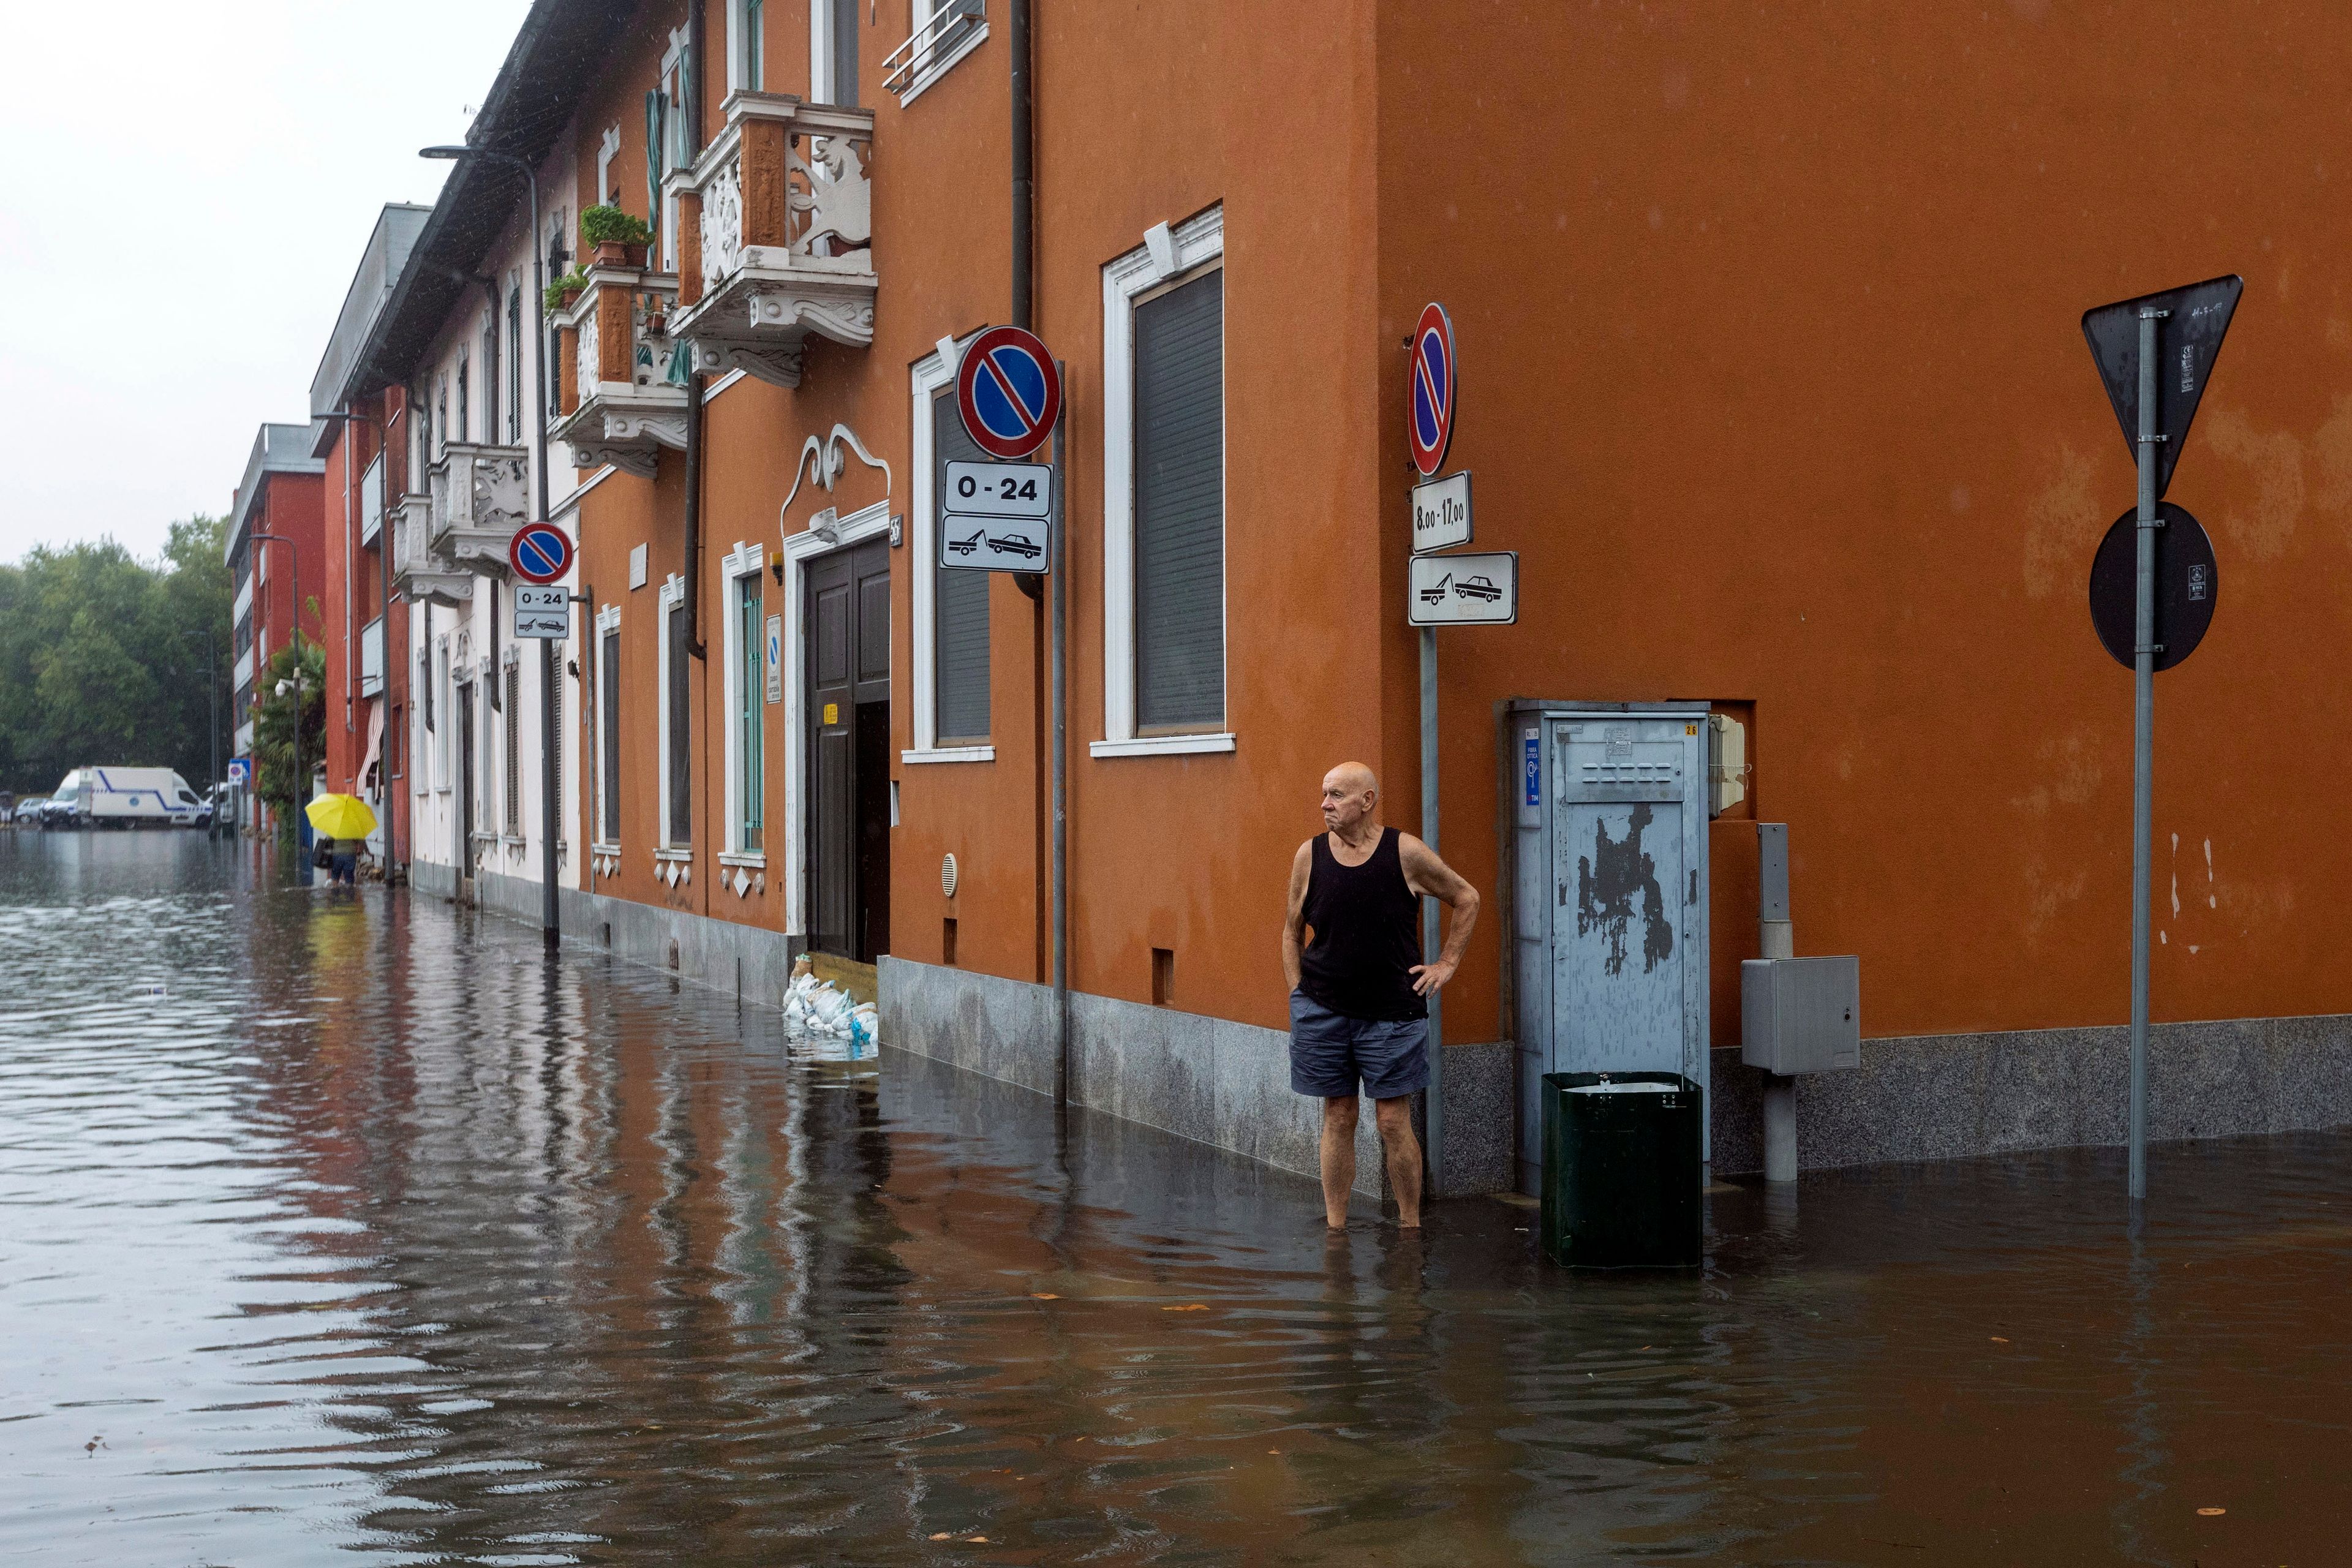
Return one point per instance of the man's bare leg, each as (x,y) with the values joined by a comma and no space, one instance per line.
(1338,1151)
(1394,1118)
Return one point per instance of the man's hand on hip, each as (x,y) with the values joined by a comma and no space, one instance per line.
(1428,977)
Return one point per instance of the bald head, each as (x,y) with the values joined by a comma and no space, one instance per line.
(1350,795)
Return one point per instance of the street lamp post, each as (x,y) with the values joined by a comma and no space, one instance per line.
(301,779)
(383,565)
(551,911)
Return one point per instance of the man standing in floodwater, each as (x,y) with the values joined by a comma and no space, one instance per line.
(1359,1006)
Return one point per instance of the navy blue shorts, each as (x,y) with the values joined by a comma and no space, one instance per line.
(1329,1052)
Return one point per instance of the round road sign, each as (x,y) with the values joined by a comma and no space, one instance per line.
(2186,585)
(539,553)
(1431,397)
(1008,391)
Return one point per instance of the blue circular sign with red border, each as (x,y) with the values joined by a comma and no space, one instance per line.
(1431,399)
(1008,391)
(539,553)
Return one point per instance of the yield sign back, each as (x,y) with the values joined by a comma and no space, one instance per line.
(2189,340)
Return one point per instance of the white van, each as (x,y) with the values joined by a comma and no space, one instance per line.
(129,798)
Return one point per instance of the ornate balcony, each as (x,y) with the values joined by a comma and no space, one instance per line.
(480,496)
(417,575)
(622,378)
(775,237)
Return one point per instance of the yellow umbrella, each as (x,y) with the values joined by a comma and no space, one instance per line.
(340,816)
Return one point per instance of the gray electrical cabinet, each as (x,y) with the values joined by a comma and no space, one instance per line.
(1801,1014)
(1610,894)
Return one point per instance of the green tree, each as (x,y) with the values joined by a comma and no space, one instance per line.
(273,725)
(103,657)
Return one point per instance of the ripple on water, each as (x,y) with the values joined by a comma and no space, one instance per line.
(331,1220)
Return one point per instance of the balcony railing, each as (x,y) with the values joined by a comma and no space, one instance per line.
(480,496)
(775,237)
(934,46)
(371,657)
(624,397)
(416,575)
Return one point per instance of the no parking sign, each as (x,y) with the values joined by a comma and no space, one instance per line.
(1009,392)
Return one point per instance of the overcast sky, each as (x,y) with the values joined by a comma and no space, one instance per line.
(189,189)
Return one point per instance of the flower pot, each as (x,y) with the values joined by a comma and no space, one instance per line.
(611,253)
(636,255)
(570,295)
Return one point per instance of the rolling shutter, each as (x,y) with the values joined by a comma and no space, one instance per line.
(960,597)
(1180,508)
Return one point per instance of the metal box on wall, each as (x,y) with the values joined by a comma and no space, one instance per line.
(1801,1014)
(1608,908)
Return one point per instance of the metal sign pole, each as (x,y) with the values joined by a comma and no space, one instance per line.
(2144,652)
(1057,602)
(550,910)
(1433,1104)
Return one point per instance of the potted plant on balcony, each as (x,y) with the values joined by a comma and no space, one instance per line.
(616,238)
(564,289)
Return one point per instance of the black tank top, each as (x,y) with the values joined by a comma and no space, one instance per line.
(1367,934)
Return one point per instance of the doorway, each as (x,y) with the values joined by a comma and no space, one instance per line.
(846,620)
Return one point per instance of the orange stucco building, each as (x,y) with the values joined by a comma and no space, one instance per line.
(1770,374)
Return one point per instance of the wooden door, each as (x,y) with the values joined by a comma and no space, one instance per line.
(846,660)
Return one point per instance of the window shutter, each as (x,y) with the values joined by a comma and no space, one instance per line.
(845,51)
(961,599)
(681,772)
(1179,507)
(657,105)
(609,696)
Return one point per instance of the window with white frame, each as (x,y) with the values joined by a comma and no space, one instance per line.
(491,373)
(676,727)
(665,142)
(1163,494)
(510,742)
(747,44)
(608,723)
(514,362)
(465,425)
(420,716)
(441,743)
(607,148)
(949,633)
(746,651)
(833,51)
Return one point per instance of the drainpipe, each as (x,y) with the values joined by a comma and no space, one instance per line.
(1054,602)
(696,69)
(1024,190)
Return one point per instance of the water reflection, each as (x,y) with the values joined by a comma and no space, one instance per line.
(329,1220)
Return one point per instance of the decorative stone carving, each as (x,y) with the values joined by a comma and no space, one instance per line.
(835,195)
(779,364)
(417,575)
(630,372)
(480,495)
(784,224)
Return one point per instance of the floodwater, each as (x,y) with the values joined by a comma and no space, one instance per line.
(336,1226)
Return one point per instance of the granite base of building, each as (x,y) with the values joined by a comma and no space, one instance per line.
(750,962)
(1943,1097)
(1208,1079)
(1933,1097)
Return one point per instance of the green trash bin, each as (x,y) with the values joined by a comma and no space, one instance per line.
(1623,1167)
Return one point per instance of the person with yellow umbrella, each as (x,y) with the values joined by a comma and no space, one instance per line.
(345,821)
